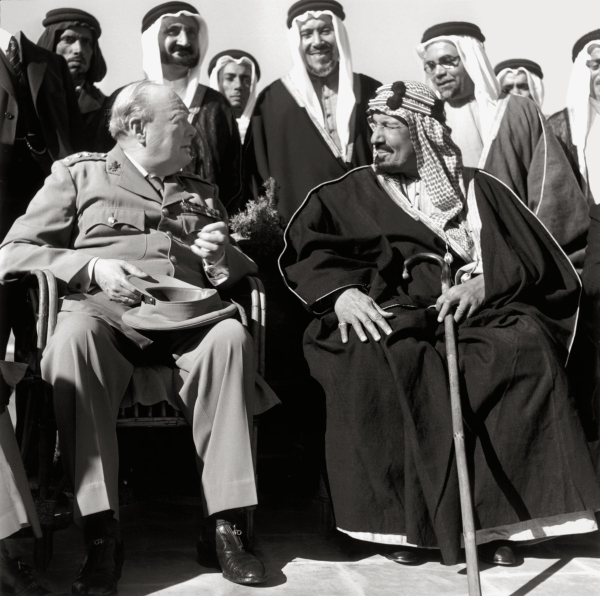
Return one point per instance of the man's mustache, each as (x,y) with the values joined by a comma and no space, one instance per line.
(181,49)
(319,49)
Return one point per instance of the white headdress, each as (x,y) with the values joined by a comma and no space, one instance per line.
(581,107)
(244,120)
(536,85)
(151,53)
(478,67)
(299,75)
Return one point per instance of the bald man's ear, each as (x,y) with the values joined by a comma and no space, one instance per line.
(137,130)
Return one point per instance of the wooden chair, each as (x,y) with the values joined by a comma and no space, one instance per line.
(35,322)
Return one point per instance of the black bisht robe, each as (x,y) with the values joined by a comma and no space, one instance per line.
(283,143)
(390,453)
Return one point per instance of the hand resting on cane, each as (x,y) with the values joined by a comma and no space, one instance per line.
(355,308)
(467,297)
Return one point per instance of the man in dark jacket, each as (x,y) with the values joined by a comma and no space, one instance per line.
(40,124)
(73,34)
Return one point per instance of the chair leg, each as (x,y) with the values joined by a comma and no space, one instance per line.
(42,550)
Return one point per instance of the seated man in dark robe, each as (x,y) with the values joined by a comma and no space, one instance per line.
(73,34)
(504,135)
(377,345)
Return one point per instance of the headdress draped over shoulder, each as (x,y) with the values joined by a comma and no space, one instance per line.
(532,70)
(468,40)
(59,19)
(151,24)
(215,66)
(580,105)
(299,13)
(439,160)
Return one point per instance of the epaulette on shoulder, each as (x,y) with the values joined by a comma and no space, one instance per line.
(84,156)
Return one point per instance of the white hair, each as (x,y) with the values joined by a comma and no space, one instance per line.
(134,101)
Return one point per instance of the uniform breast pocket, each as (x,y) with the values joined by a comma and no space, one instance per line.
(116,232)
(192,223)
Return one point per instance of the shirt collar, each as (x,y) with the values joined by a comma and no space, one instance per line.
(4,40)
(140,168)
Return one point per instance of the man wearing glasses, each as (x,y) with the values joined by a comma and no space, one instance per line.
(505,135)
(574,125)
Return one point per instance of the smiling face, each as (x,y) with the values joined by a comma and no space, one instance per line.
(76,44)
(394,151)
(319,46)
(235,81)
(178,41)
(594,66)
(168,137)
(516,84)
(453,84)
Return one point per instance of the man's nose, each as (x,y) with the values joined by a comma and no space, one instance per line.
(77,47)
(377,136)
(182,38)
(317,39)
(439,70)
(190,130)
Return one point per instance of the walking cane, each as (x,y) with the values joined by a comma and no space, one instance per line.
(464,485)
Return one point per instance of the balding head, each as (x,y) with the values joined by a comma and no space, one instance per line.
(150,123)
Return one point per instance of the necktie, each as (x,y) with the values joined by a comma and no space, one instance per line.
(157,183)
(14,57)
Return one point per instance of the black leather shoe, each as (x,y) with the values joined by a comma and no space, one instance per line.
(101,569)
(404,557)
(17,579)
(497,553)
(238,565)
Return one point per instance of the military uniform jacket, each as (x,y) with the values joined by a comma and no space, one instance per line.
(100,205)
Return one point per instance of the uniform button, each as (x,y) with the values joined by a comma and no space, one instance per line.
(169,234)
(165,212)
(9,116)
(173,259)
(112,220)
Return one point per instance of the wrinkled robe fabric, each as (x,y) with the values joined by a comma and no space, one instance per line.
(217,146)
(529,159)
(282,142)
(389,443)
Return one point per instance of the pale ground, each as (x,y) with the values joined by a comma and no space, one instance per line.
(160,549)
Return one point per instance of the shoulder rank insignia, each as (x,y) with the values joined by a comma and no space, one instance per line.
(114,167)
(84,156)
(189,207)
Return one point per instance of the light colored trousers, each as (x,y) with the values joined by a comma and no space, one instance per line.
(85,364)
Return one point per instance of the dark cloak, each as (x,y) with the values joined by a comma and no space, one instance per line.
(283,142)
(529,159)
(390,454)
(218,148)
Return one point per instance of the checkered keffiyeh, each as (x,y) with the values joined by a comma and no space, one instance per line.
(439,160)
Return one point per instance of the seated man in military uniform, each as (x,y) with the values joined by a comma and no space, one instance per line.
(102,224)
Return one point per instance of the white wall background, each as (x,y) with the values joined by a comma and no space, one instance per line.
(383,33)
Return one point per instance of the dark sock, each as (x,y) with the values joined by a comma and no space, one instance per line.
(233,516)
(101,525)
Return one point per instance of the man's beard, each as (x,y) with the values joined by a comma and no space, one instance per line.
(381,167)
(322,69)
(188,60)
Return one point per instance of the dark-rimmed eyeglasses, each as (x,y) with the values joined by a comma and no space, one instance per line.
(446,62)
